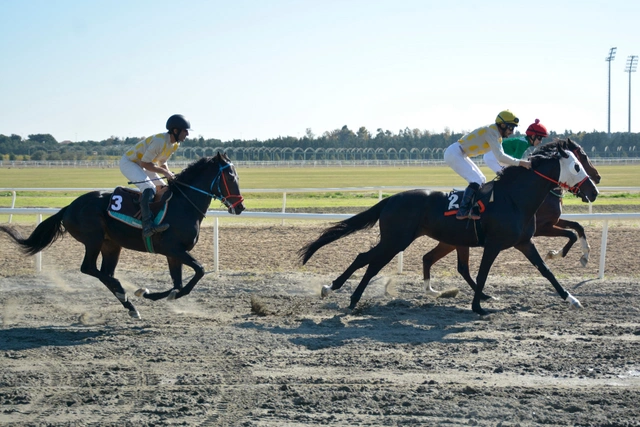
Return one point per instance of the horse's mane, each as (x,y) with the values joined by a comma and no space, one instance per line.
(547,151)
(195,169)
(543,152)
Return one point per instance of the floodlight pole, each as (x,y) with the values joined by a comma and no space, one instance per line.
(632,64)
(612,55)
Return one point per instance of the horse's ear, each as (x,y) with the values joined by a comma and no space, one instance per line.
(561,151)
(218,156)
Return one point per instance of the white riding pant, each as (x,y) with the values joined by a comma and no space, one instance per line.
(139,176)
(463,165)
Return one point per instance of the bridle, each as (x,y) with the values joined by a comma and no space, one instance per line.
(574,190)
(221,181)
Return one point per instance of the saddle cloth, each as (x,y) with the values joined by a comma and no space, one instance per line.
(125,206)
(455,197)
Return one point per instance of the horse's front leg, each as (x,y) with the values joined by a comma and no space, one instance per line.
(586,249)
(175,270)
(198,270)
(488,257)
(531,252)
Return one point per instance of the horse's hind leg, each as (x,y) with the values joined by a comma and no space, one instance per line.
(430,258)
(586,249)
(531,252)
(110,256)
(361,260)
(379,258)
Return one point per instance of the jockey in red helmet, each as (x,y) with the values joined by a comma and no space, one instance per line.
(519,147)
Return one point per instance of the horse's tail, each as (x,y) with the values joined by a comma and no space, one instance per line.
(361,221)
(47,232)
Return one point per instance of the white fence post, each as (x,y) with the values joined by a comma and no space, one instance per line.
(216,247)
(284,204)
(603,248)
(13,204)
(39,254)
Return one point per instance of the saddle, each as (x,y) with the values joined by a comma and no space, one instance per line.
(484,196)
(125,205)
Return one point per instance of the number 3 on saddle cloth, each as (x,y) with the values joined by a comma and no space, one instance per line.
(455,197)
(125,206)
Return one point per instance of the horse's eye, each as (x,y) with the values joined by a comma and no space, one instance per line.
(577,168)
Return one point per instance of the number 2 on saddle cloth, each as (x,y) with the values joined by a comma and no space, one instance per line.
(486,196)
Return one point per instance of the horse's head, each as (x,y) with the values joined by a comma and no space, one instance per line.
(228,185)
(217,178)
(582,157)
(564,165)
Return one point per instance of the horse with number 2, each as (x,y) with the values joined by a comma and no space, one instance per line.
(91,220)
(509,204)
(548,223)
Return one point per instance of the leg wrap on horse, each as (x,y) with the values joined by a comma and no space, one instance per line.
(148,228)
(468,198)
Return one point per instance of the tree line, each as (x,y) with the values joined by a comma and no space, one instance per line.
(424,143)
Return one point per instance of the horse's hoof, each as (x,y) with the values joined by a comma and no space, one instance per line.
(135,314)
(480,311)
(172,295)
(430,292)
(325,291)
(584,260)
(141,292)
(485,297)
(551,255)
(573,301)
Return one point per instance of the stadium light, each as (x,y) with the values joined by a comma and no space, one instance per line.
(612,55)
(632,64)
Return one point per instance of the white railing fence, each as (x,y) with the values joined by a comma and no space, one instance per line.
(604,217)
(284,191)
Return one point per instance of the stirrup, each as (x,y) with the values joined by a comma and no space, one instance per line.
(150,231)
(462,214)
(474,213)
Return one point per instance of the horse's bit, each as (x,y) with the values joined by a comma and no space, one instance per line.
(224,200)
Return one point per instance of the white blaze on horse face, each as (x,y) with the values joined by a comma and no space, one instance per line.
(571,171)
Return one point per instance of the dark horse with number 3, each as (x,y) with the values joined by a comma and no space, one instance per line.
(508,221)
(86,219)
(548,223)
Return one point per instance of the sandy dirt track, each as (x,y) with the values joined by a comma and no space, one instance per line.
(254,345)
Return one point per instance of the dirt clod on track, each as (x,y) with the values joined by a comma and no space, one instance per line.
(255,345)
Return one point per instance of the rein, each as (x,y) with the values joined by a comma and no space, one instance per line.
(573,190)
(211,194)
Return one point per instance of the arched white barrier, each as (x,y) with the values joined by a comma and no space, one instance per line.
(605,217)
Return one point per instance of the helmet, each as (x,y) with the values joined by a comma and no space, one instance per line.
(177,121)
(537,129)
(507,117)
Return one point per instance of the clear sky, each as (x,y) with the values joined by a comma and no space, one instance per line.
(91,69)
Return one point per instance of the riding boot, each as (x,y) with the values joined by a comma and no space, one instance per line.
(465,210)
(148,227)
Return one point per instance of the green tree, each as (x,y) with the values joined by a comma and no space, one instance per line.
(39,155)
(43,138)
